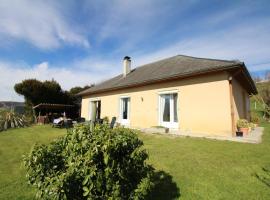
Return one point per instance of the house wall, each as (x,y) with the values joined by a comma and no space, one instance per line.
(241,102)
(203,104)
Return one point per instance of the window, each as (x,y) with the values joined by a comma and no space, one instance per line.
(175,97)
(124,109)
(168,106)
(95,109)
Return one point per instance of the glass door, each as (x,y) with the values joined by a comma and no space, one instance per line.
(168,110)
(124,110)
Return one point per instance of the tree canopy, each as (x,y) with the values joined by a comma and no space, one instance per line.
(35,92)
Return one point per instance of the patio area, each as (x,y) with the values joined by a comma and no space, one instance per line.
(255,136)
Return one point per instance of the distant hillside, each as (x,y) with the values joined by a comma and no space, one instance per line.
(17,106)
(261,102)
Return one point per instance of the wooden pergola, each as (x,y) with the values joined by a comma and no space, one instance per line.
(52,106)
(49,111)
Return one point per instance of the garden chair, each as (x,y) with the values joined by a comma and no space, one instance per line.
(113,122)
(58,123)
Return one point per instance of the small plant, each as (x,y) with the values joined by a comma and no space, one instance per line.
(243,126)
(251,126)
(9,119)
(254,118)
(91,163)
(242,123)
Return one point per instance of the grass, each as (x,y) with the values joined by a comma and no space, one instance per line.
(192,168)
(208,169)
(13,144)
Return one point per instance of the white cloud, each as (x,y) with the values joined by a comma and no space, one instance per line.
(12,73)
(39,22)
(44,26)
(132,21)
(239,43)
(248,43)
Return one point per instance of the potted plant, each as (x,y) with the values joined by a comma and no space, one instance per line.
(243,126)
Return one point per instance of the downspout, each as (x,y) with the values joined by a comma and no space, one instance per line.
(232,107)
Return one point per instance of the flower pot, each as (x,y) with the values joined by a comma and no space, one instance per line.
(244,130)
(239,134)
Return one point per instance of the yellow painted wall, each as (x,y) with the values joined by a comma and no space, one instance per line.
(241,102)
(203,107)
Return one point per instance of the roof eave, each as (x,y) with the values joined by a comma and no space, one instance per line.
(250,80)
(187,75)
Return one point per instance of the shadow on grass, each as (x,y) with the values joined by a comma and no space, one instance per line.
(165,188)
(264,175)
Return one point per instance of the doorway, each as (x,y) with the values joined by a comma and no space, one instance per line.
(125,110)
(95,110)
(168,110)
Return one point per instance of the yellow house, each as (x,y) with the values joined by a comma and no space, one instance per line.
(181,93)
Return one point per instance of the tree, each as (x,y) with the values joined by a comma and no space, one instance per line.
(35,92)
(264,91)
(31,89)
(73,92)
(77,89)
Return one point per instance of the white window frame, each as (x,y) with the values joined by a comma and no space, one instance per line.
(125,122)
(172,125)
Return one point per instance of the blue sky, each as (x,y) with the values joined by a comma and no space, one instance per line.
(82,42)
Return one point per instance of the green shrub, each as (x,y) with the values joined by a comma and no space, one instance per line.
(242,123)
(10,119)
(254,118)
(251,126)
(101,163)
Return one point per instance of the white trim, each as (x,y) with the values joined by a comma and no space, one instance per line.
(168,91)
(172,125)
(125,122)
(124,96)
(95,99)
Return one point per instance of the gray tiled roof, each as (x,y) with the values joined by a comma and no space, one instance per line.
(173,67)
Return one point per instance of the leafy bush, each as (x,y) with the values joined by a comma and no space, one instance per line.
(251,126)
(91,163)
(10,119)
(254,118)
(242,123)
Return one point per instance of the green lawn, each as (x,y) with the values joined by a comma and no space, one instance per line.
(193,168)
(13,144)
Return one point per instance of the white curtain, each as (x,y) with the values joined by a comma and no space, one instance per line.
(162,106)
(93,110)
